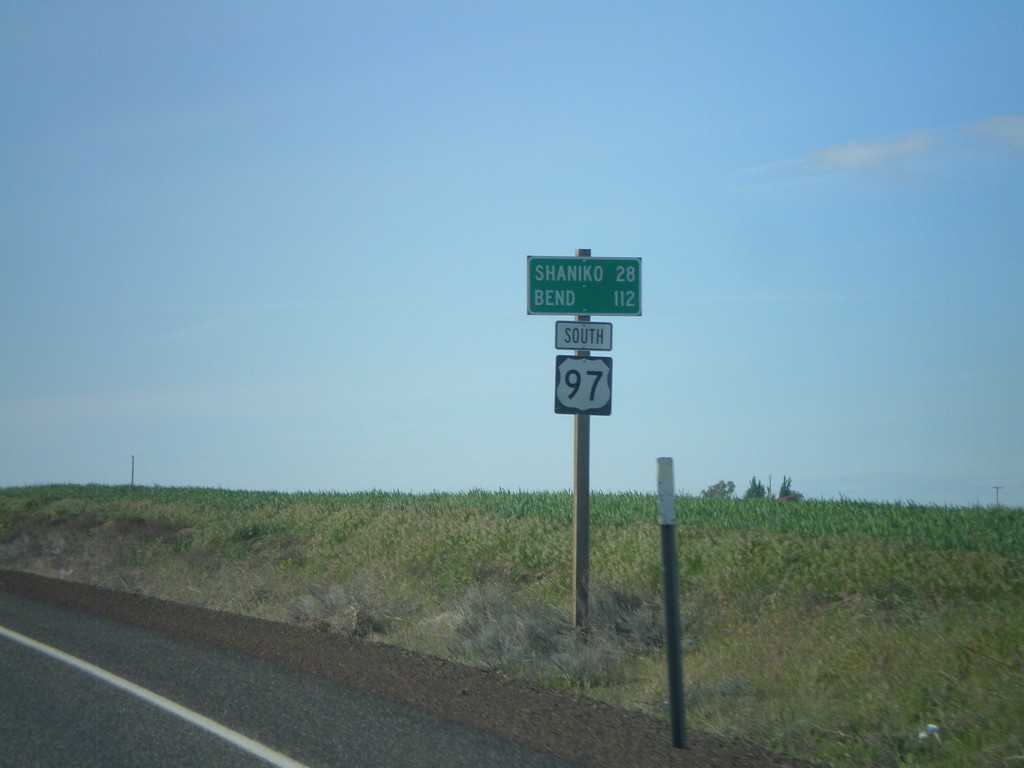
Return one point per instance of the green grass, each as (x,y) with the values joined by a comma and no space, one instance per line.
(831,630)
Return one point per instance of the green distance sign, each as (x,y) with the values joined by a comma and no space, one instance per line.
(582,286)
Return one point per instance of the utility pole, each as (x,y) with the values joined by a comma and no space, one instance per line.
(998,488)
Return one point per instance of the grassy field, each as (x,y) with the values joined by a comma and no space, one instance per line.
(837,631)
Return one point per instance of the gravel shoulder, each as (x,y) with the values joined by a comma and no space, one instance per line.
(584,731)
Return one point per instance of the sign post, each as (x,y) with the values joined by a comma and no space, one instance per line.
(581,503)
(582,286)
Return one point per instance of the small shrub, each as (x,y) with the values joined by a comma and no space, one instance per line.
(503,636)
(495,630)
(588,661)
(629,616)
(361,607)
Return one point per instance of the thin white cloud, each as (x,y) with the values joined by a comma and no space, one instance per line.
(907,157)
(1008,129)
(872,155)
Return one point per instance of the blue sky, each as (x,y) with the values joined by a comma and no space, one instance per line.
(283,245)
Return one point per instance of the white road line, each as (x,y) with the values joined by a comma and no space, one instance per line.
(242,742)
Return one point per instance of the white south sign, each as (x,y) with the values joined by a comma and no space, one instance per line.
(579,335)
(583,385)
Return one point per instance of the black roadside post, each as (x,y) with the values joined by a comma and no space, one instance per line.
(673,632)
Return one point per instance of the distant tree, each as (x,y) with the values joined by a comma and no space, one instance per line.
(786,492)
(755,490)
(723,489)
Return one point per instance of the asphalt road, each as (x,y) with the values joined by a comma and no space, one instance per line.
(54,714)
